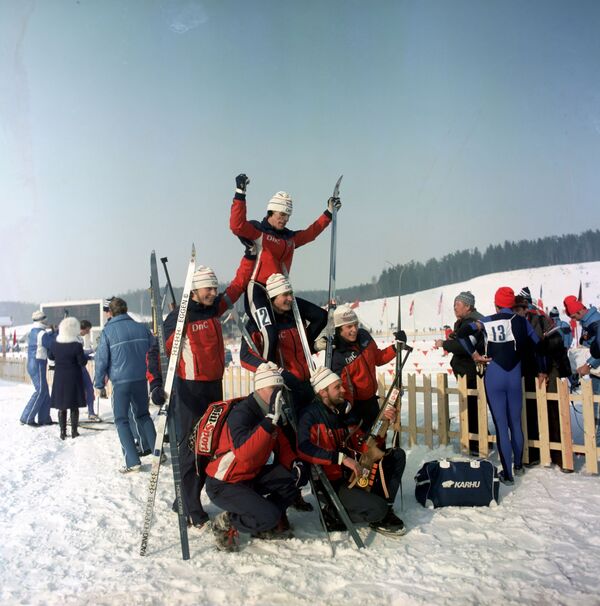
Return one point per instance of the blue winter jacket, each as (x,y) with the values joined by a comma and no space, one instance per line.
(590,324)
(122,350)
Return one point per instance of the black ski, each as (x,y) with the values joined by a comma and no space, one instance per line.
(331,304)
(163,415)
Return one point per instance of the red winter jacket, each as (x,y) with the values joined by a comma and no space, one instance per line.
(202,348)
(246,444)
(275,247)
(325,434)
(355,364)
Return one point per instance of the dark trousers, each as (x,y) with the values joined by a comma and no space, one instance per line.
(256,505)
(363,506)
(193,398)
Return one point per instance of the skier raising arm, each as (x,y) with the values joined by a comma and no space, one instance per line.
(275,245)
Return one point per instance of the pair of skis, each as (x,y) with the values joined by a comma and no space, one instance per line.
(165,416)
(320,473)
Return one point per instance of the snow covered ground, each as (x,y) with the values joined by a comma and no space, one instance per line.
(70,530)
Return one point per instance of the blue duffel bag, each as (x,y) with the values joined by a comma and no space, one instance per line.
(460,483)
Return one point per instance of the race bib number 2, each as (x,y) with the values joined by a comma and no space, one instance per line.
(261,316)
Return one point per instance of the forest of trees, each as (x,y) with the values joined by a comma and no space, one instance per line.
(454,267)
(466,264)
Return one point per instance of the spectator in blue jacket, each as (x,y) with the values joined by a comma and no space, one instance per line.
(121,355)
(589,318)
(37,361)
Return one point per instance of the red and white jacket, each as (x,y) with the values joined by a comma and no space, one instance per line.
(203,351)
(247,443)
(274,247)
(355,363)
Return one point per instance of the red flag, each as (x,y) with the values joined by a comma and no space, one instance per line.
(14,338)
(355,304)
(540,303)
(411,308)
(440,303)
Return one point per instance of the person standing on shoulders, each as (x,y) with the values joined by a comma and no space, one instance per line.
(121,355)
(275,245)
(37,361)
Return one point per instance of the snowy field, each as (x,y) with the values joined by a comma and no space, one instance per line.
(70,527)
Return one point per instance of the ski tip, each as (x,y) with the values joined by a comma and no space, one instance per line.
(193,250)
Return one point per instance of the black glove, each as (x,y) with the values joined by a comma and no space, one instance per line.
(103,392)
(158,396)
(241,182)
(400,335)
(300,471)
(250,251)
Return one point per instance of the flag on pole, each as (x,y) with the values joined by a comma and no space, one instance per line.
(580,295)
(383,307)
(411,308)
(440,303)
(540,303)
(355,304)
(14,338)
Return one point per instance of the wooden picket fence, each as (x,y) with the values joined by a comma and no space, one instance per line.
(437,431)
(434,395)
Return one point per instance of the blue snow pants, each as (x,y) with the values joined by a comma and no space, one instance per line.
(249,510)
(132,394)
(39,403)
(88,388)
(505,399)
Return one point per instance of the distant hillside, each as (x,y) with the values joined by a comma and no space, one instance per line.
(417,276)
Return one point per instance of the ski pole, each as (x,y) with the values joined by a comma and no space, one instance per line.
(164,260)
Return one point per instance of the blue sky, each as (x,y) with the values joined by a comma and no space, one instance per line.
(123,124)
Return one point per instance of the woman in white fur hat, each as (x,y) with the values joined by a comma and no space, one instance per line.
(275,245)
(67,388)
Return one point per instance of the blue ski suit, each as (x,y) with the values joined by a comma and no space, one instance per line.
(37,361)
(506,337)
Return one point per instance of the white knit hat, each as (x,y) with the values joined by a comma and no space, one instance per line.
(282,202)
(38,316)
(204,277)
(277,284)
(267,375)
(344,314)
(322,378)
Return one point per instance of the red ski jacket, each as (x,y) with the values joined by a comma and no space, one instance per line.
(246,444)
(274,247)
(202,349)
(355,364)
(324,435)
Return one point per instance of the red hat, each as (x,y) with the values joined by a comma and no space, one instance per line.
(504,297)
(573,305)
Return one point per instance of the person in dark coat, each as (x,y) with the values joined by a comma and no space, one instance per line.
(461,362)
(67,388)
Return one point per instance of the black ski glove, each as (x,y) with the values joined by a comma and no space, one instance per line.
(400,335)
(241,182)
(158,396)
